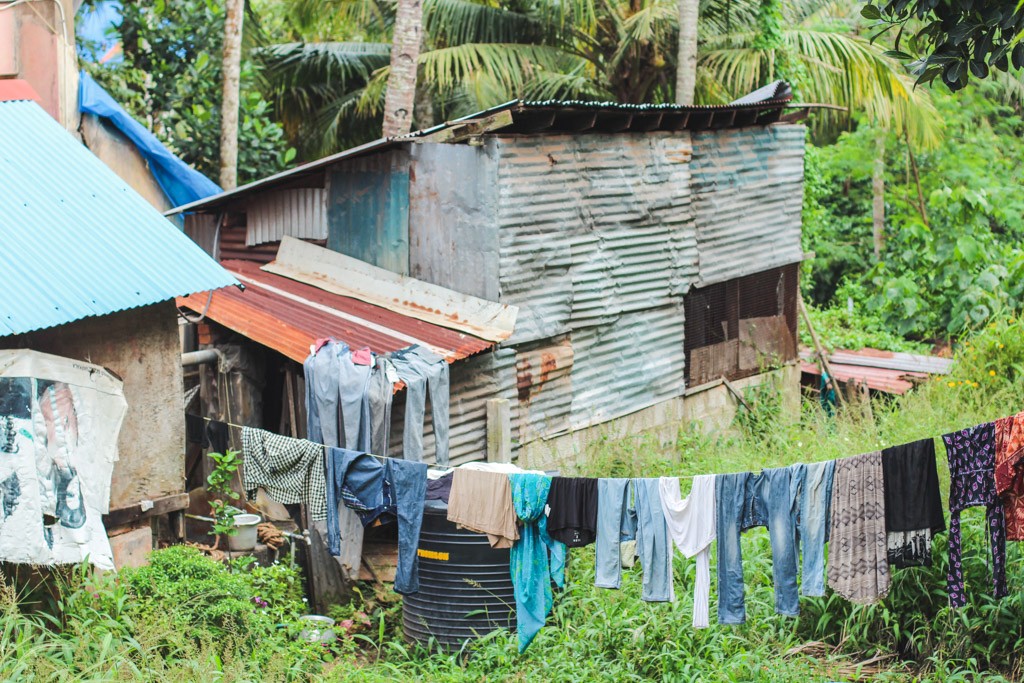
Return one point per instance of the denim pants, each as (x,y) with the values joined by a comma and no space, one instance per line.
(652,542)
(616,522)
(353,383)
(423,370)
(396,488)
(380,394)
(324,416)
(814,482)
(744,501)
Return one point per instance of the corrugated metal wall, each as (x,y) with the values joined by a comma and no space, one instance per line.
(452,204)
(300,212)
(592,226)
(368,209)
(748,195)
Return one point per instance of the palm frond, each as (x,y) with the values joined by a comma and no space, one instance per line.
(509,65)
(455,22)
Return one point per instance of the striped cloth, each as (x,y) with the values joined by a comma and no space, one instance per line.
(858,565)
(289,470)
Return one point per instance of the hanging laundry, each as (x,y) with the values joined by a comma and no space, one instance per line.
(744,501)
(289,470)
(691,525)
(323,396)
(1009,473)
(218,436)
(423,370)
(572,518)
(353,386)
(813,483)
(362,356)
(482,502)
(858,567)
(392,491)
(616,524)
(972,464)
(380,393)
(536,560)
(652,542)
(913,505)
(440,488)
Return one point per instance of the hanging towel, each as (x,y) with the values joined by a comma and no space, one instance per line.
(289,470)
(1010,473)
(858,567)
(913,505)
(536,560)
(972,464)
(691,524)
(482,502)
(572,518)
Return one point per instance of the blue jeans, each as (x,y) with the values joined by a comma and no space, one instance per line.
(396,488)
(744,501)
(815,486)
(616,523)
(379,397)
(652,542)
(423,370)
(353,383)
(313,432)
(324,418)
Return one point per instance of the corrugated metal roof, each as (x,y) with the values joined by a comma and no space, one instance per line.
(554,116)
(881,377)
(288,316)
(301,212)
(77,240)
(893,360)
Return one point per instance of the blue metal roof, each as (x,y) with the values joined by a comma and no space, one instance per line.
(75,239)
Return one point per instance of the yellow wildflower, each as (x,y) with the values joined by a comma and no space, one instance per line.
(1001,346)
(952,384)
(992,373)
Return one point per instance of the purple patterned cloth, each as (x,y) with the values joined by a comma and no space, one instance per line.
(972,464)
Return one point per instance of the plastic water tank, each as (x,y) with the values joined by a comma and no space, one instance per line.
(465,588)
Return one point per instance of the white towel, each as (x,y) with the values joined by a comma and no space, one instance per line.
(691,524)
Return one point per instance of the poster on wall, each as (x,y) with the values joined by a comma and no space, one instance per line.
(59,422)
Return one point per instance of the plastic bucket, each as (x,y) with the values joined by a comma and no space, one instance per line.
(245,539)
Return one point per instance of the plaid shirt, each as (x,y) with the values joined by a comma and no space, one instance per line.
(289,470)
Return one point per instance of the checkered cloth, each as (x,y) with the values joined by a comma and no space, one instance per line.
(289,470)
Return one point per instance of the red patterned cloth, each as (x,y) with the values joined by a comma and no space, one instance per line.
(1009,473)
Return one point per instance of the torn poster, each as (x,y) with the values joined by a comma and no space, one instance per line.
(59,422)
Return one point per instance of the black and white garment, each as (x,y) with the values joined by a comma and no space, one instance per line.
(913,505)
(289,470)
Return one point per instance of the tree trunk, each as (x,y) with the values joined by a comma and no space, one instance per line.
(405,52)
(231,72)
(686,68)
(878,196)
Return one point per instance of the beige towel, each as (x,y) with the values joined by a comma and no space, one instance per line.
(482,502)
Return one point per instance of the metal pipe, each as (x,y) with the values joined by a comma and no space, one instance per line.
(201,357)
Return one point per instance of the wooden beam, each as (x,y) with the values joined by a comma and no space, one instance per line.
(464,130)
(735,392)
(822,356)
(161,506)
(499,430)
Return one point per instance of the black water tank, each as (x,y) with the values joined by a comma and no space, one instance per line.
(465,586)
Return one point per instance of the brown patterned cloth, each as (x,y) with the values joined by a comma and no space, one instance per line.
(858,566)
(1009,473)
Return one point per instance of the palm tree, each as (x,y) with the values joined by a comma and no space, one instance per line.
(478,55)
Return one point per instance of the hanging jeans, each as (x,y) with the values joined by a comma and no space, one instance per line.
(616,523)
(652,542)
(422,371)
(353,383)
(744,501)
(379,394)
(396,489)
(326,395)
(313,432)
(814,486)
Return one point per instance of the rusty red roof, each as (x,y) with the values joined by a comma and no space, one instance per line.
(892,380)
(288,316)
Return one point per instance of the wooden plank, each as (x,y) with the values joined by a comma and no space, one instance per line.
(499,430)
(161,506)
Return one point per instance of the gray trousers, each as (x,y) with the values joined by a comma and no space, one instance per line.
(353,382)
(323,418)
(379,396)
(423,371)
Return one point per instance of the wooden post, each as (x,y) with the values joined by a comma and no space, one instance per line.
(499,431)
(822,356)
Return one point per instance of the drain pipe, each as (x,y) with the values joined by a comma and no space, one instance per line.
(201,357)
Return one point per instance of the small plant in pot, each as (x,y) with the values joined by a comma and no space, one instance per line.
(227,517)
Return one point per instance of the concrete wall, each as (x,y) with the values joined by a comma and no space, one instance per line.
(713,408)
(142,347)
(123,158)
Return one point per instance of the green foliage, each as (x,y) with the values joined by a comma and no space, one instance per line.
(218,483)
(838,328)
(170,81)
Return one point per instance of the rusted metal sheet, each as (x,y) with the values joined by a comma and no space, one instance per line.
(714,361)
(544,388)
(764,341)
(298,212)
(877,379)
(592,227)
(748,195)
(452,204)
(288,316)
(893,360)
(346,276)
(368,209)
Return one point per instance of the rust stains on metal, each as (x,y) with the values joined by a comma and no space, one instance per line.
(891,380)
(288,316)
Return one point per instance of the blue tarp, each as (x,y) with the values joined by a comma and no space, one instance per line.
(180,182)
